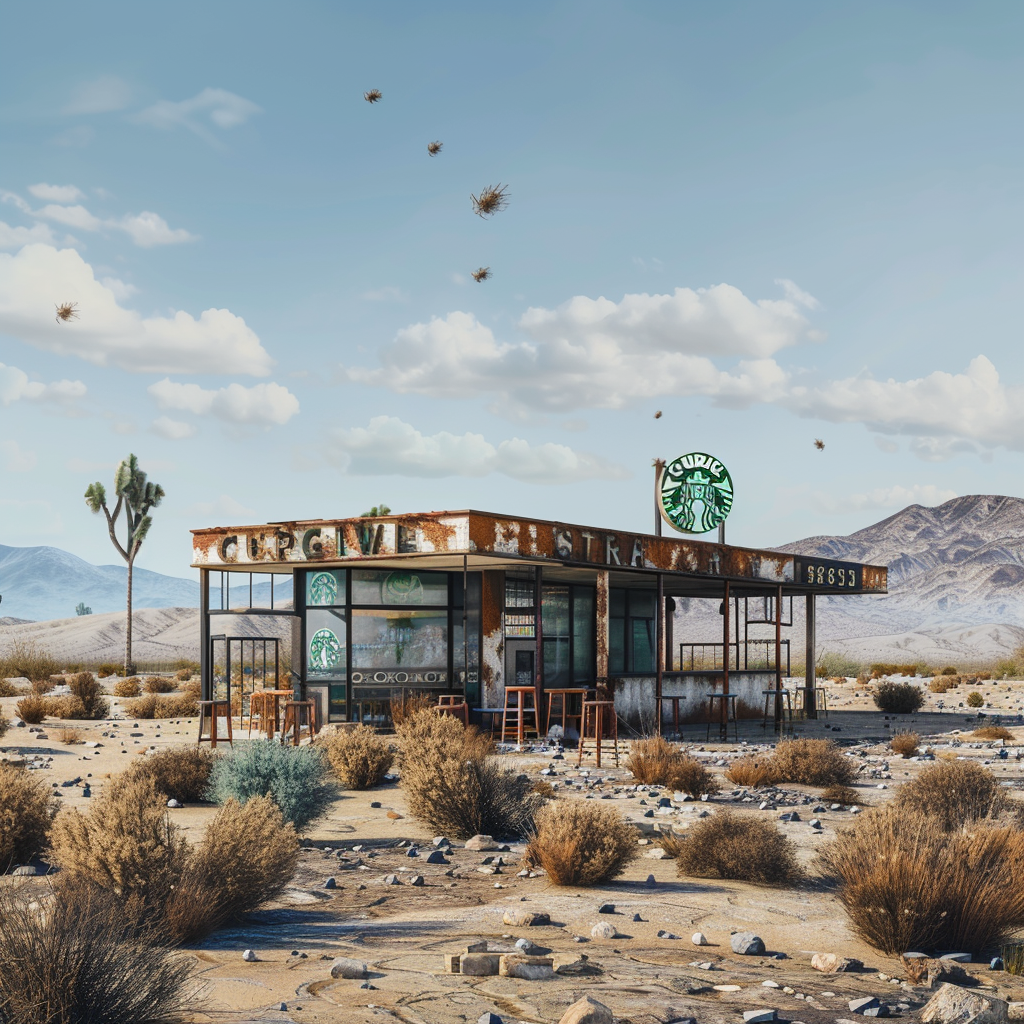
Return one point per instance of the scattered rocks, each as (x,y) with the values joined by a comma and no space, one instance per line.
(746,944)
(479,842)
(663,934)
(831,963)
(526,968)
(525,918)
(588,1011)
(699,939)
(480,965)
(347,967)
(953,1004)
(603,930)
(250,957)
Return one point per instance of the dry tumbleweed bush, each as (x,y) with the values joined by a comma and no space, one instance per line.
(372,96)
(481,274)
(905,743)
(67,311)
(27,807)
(578,843)
(656,762)
(433,148)
(728,845)
(359,757)
(491,200)
(954,794)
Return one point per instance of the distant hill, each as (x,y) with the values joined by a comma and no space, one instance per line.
(47,583)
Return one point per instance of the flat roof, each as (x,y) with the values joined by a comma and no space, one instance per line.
(486,540)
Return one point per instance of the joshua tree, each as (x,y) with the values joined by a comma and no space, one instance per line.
(136,496)
(82,609)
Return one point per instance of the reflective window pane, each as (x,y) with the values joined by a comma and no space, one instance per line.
(326,641)
(382,587)
(325,587)
(404,638)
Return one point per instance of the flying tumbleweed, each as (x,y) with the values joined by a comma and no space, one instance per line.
(433,148)
(67,311)
(372,96)
(490,201)
(657,415)
(819,444)
(482,274)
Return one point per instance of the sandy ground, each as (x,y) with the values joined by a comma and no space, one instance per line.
(403,931)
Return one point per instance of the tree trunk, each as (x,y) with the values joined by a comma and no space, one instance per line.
(129,665)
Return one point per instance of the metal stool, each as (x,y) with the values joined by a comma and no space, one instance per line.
(520,701)
(597,715)
(822,705)
(783,700)
(213,710)
(675,712)
(297,714)
(727,713)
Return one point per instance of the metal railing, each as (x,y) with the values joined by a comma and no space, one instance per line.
(744,656)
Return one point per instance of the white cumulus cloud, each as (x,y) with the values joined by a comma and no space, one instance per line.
(100,96)
(107,334)
(388,445)
(260,404)
(16,237)
(173,430)
(15,385)
(56,193)
(216,107)
(147,229)
(73,216)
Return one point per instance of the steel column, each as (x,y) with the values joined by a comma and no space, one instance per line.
(659,648)
(810,658)
(205,652)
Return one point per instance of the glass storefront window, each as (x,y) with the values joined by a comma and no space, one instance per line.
(326,640)
(631,631)
(382,587)
(399,638)
(325,587)
(555,618)
(582,634)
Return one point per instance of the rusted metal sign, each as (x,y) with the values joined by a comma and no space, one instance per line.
(482,533)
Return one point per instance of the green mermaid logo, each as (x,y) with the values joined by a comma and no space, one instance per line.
(696,493)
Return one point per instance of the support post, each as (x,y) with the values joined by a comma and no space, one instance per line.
(659,468)
(538,630)
(601,609)
(810,678)
(465,631)
(779,712)
(205,654)
(659,649)
(726,631)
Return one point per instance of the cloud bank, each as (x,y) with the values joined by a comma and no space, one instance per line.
(261,404)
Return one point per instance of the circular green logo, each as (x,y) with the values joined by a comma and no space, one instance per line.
(324,650)
(403,588)
(323,588)
(695,492)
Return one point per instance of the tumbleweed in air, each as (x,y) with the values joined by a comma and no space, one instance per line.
(490,201)
(433,148)
(819,444)
(372,96)
(482,274)
(67,311)
(657,415)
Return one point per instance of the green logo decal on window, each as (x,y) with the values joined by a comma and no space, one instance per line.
(402,588)
(695,492)
(323,588)
(324,650)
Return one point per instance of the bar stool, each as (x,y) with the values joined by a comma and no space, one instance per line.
(675,712)
(299,714)
(599,715)
(212,711)
(520,701)
(727,708)
(783,700)
(562,705)
(453,704)
(258,703)
(821,699)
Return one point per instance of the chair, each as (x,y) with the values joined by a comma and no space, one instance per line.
(598,717)
(562,705)
(212,711)
(453,704)
(520,704)
(726,703)
(299,714)
(674,701)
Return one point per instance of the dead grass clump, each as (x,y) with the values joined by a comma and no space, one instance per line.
(975,699)
(70,737)
(130,687)
(88,691)
(742,847)
(27,807)
(31,709)
(905,744)
(940,684)
(908,884)
(67,708)
(688,775)
(359,757)
(27,660)
(993,732)
(543,789)
(408,703)
(953,794)
(246,859)
(813,763)
(453,784)
(151,705)
(108,668)
(159,684)
(183,675)
(582,844)
(178,773)
(8,689)
(656,762)
(752,771)
(845,795)
(84,959)
(491,200)
(671,844)
(42,686)
(4,725)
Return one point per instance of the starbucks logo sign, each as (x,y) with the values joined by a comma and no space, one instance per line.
(323,588)
(695,493)
(324,650)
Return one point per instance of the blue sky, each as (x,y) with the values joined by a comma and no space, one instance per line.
(772,222)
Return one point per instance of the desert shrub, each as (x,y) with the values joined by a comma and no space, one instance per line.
(31,709)
(656,762)
(108,668)
(813,762)
(8,689)
(85,960)
(26,660)
(88,691)
(905,743)
(141,707)
(4,725)
(192,688)
(908,884)
(130,687)
(123,845)
(940,684)
(954,793)
(183,675)
(746,848)
(27,807)
(949,670)
(246,858)
(69,737)
(543,789)
(452,783)
(41,686)
(579,843)
(294,776)
(178,773)
(975,699)
(993,732)
(881,668)
(671,843)
(66,707)
(753,771)
(150,705)
(984,675)
(158,684)
(845,795)
(407,704)
(359,757)
(833,663)
(898,698)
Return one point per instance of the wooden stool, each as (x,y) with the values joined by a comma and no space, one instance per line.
(520,701)
(299,713)
(453,704)
(675,712)
(597,716)
(562,705)
(726,713)
(821,699)
(213,710)
(258,704)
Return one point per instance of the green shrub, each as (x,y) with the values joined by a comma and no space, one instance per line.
(294,776)
(359,757)
(739,846)
(975,699)
(898,698)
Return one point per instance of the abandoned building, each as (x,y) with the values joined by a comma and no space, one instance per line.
(350,613)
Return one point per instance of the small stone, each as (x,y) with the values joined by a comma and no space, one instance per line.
(489,1018)
(416,880)
(637,917)
(436,857)
(375,806)
(587,1011)
(651,882)
(395,816)
(667,935)
(367,984)
(25,871)
(746,944)
(773,984)
(331,883)
(996,964)
(525,918)
(957,958)
(863,1003)
(480,965)
(347,967)
(606,908)
(174,803)
(603,930)
(699,939)
(392,880)
(480,842)
(831,963)
(440,841)
(759,1016)
(412,852)
(526,968)
(249,957)
(283,1007)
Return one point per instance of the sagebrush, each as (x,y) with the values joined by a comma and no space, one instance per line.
(753,771)
(656,762)
(360,758)
(178,773)
(159,684)
(993,732)
(27,807)
(953,794)
(31,709)
(130,687)
(898,698)
(27,660)
(842,795)
(742,847)
(580,843)
(152,705)
(905,744)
